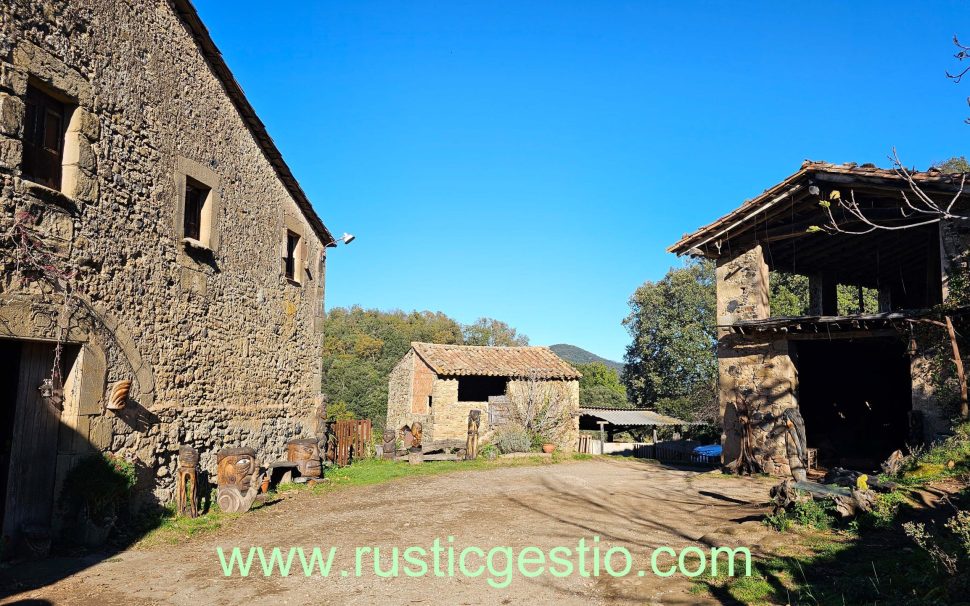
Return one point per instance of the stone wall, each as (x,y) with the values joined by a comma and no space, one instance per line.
(761,372)
(400,387)
(224,351)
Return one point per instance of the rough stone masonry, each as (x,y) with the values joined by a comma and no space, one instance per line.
(219,336)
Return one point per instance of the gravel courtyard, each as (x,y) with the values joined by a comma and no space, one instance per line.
(636,504)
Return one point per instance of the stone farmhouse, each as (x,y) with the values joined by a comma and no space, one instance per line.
(163,271)
(439,385)
(862,380)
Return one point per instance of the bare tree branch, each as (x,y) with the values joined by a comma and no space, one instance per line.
(915,200)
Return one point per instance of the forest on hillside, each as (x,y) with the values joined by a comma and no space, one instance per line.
(361,346)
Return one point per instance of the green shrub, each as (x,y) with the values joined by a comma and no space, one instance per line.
(959,525)
(884,510)
(512,438)
(97,484)
(489,451)
(811,514)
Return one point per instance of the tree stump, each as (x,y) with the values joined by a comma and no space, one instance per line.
(187,503)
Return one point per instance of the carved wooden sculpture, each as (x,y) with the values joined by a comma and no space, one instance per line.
(407,437)
(188,482)
(306,454)
(390,443)
(416,430)
(471,444)
(321,418)
(119,395)
(238,478)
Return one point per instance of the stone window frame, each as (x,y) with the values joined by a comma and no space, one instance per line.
(36,68)
(301,257)
(187,170)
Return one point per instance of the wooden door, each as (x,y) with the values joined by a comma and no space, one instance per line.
(33,456)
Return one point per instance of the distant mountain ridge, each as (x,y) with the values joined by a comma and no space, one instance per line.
(578,355)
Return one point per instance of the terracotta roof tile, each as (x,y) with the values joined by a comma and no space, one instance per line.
(463,360)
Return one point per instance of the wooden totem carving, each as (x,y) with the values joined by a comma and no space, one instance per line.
(320,418)
(188,482)
(306,454)
(238,478)
(471,443)
(390,443)
(416,430)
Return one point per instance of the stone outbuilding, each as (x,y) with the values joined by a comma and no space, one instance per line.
(163,271)
(439,384)
(865,380)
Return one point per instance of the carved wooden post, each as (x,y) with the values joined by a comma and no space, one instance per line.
(471,443)
(415,456)
(390,443)
(188,482)
(306,454)
(238,477)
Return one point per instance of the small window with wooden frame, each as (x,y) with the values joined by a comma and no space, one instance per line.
(289,258)
(195,215)
(197,209)
(45,127)
(293,257)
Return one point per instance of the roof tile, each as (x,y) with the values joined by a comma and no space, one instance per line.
(465,360)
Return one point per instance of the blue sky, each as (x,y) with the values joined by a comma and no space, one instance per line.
(531,161)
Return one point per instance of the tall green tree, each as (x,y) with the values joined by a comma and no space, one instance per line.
(361,346)
(954,165)
(488,331)
(600,387)
(671,362)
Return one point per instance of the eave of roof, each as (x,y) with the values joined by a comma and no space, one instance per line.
(189,16)
(845,173)
(633,417)
(895,320)
(494,361)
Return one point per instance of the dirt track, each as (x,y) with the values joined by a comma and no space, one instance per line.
(635,504)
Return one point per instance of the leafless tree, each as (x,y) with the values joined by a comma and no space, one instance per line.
(917,208)
(962,53)
(541,407)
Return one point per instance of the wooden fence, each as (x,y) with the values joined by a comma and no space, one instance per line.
(353,439)
(673,454)
(665,453)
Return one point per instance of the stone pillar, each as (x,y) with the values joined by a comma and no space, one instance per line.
(754,368)
(954,254)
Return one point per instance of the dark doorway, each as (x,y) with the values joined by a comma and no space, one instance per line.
(9,373)
(31,421)
(855,396)
(480,388)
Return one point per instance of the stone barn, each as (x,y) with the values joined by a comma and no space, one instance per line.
(862,362)
(439,384)
(163,271)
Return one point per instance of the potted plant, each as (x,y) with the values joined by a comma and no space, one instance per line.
(94,489)
(548,448)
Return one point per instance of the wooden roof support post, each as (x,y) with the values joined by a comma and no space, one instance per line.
(964,409)
(823,295)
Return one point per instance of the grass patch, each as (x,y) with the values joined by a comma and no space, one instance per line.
(165,528)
